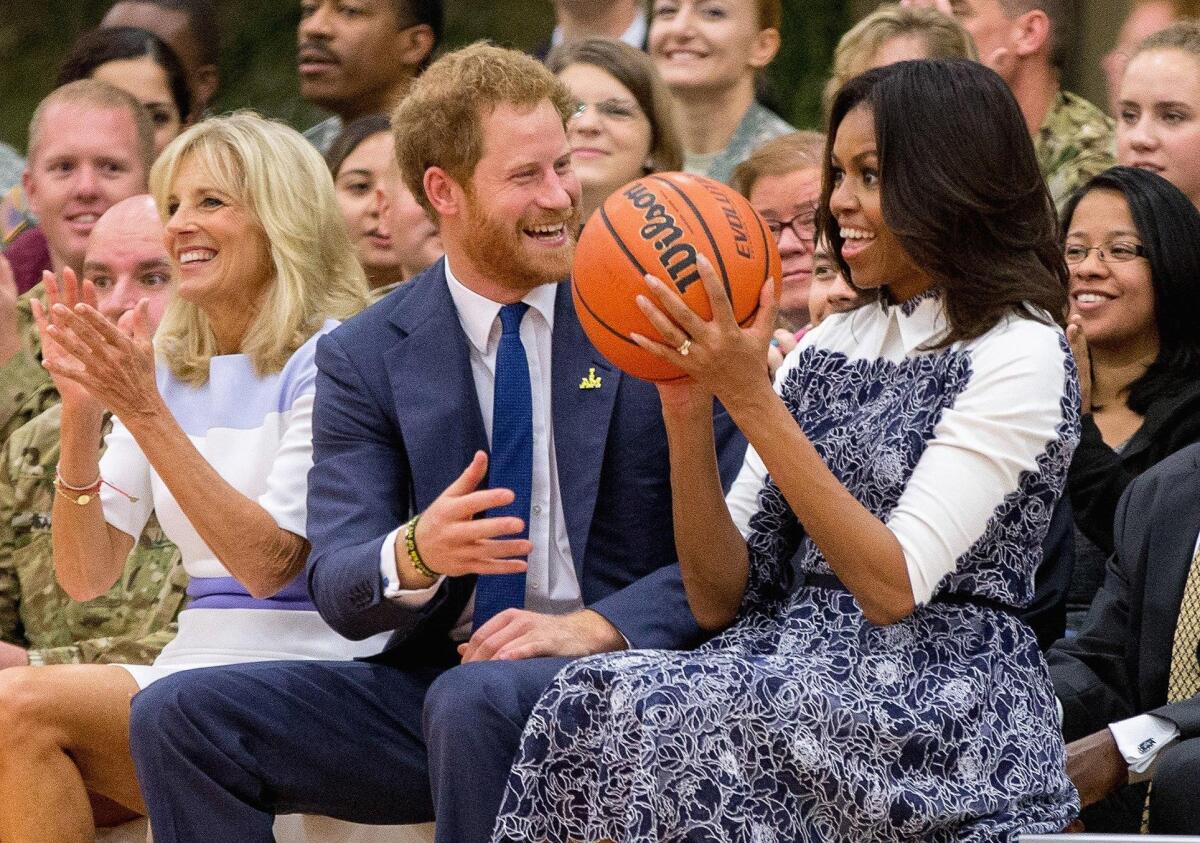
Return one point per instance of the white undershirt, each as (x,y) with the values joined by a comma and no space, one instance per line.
(551,586)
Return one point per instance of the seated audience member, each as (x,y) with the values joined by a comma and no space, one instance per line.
(1158,121)
(829,292)
(190,29)
(711,62)
(215,440)
(141,64)
(870,679)
(623,126)
(1133,249)
(895,33)
(1144,19)
(1129,684)
(90,146)
(782,180)
(575,20)
(126,262)
(392,234)
(1027,42)
(471,369)
(360,64)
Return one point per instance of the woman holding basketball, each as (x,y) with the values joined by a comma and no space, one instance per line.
(872,680)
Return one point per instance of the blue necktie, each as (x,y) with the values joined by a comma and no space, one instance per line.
(511,462)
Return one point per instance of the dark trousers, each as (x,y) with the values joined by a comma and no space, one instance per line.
(1175,796)
(220,751)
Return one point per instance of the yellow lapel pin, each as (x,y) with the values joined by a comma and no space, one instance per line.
(591,381)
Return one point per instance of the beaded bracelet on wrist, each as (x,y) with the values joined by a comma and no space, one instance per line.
(414,555)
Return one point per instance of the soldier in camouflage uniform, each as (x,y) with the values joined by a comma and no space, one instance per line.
(136,618)
(128,625)
(25,387)
(1075,142)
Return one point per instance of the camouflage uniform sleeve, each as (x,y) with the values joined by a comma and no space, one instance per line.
(157,629)
(25,387)
(10,584)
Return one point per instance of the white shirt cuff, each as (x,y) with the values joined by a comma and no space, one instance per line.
(1140,739)
(411,598)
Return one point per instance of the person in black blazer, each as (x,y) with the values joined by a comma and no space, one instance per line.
(404,426)
(1133,248)
(1118,667)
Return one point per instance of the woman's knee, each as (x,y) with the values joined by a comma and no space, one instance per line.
(25,707)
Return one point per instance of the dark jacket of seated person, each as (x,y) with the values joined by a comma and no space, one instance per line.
(398,420)
(1121,664)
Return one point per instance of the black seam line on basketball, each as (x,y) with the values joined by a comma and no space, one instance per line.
(621,243)
(766,249)
(707,233)
(616,334)
(596,316)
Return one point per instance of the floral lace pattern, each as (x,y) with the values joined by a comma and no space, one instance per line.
(803,721)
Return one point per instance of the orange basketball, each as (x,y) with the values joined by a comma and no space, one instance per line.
(659,224)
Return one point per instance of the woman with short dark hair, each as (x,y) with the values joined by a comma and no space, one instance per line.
(141,64)
(871,679)
(1132,243)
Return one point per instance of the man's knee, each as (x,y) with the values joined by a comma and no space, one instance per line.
(1174,806)
(176,709)
(481,696)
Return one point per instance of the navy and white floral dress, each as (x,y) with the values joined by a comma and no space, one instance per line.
(804,721)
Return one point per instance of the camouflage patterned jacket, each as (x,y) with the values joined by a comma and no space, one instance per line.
(130,624)
(25,387)
(1076,141)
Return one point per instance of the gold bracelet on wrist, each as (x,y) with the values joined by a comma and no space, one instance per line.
(414,555)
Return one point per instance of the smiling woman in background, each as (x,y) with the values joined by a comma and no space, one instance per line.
(142,65)
(624,127)
(710,53)
(1158,113)
(392,234)
(1133,248)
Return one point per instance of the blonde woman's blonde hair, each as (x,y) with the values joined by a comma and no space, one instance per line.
(944,38)
(282,181)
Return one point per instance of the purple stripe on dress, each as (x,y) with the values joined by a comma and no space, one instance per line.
(228,593)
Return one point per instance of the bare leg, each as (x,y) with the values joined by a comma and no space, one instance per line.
(64,731)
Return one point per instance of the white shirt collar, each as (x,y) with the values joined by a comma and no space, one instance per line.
(477,314)
(920,320)
(634,36)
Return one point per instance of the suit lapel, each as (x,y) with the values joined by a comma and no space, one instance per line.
(1169,554)
(434,393)
(581,420)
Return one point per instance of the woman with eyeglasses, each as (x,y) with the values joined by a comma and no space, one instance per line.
(623,128)
(782,181)
(1133,250)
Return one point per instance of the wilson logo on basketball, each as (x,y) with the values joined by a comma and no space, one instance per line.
(661,230)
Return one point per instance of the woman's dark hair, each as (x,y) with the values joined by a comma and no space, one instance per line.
(960,189)
(1169,227)
(352,134)
(100,46)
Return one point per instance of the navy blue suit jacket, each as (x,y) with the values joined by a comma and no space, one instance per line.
(397,419)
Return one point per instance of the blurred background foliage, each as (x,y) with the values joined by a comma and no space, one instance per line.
(258,50)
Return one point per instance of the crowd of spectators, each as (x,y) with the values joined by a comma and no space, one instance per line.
(321,517)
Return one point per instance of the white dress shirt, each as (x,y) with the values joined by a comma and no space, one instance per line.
(550,585)
(634,36)
(1143,737)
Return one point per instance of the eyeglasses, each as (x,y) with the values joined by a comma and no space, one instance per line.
(803,225)
(1112,253)
(619,110)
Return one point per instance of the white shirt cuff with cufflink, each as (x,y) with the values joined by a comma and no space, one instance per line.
(1140,739)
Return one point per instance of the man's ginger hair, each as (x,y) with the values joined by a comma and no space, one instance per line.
(439,123)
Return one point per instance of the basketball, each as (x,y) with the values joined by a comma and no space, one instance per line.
(660,224)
